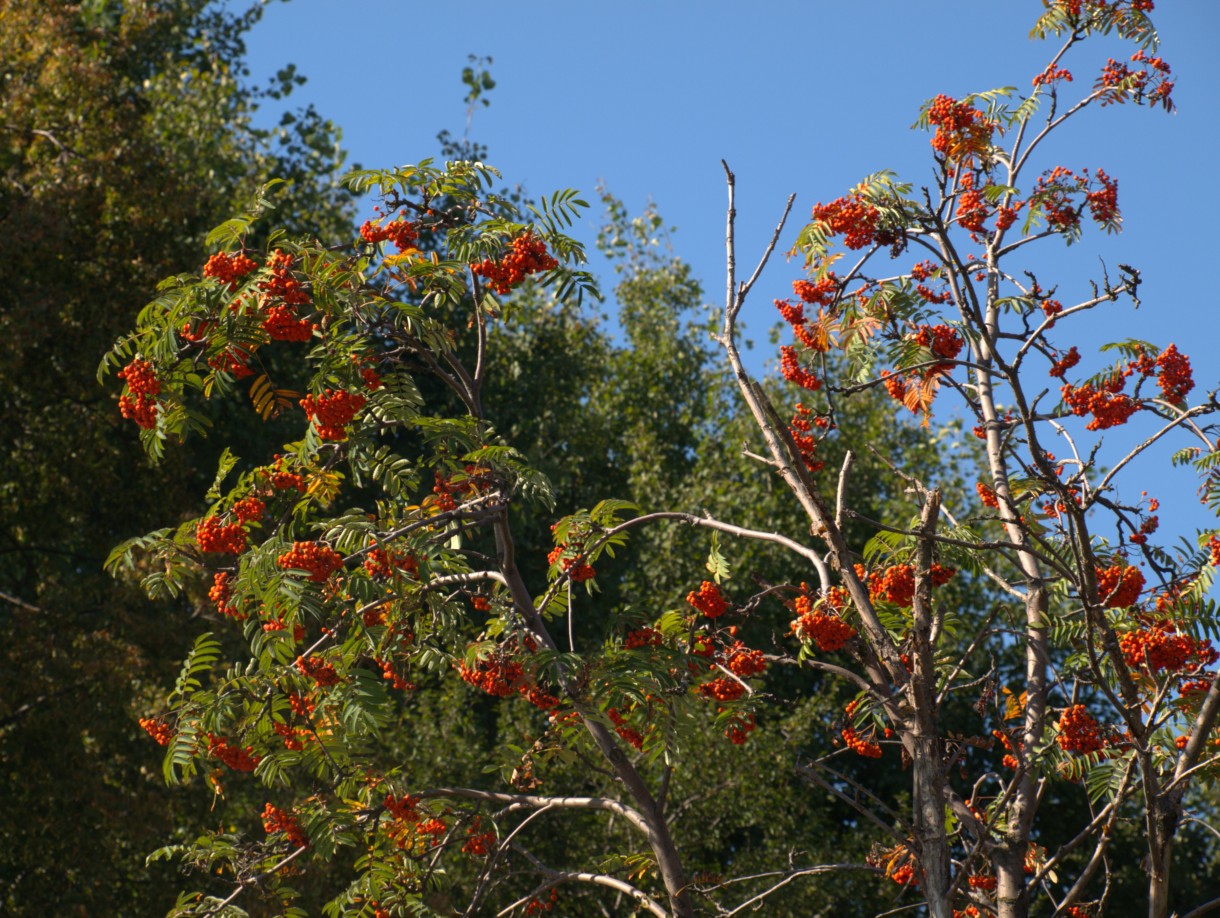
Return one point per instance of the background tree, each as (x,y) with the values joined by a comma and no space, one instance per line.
(126,134)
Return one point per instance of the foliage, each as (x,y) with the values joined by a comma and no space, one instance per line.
(947,663)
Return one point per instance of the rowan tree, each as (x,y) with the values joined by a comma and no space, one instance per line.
(380,551)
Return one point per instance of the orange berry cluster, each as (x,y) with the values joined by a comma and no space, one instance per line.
(825,629)
(321,672)
(1052,74)
(214,536)
(536,906)
(280,479)
(1151,81)
(744,661)
(905,875)
(987,495)
(817,293)
(896,584)
(941,340)
(332,411)
(526,255)
(861,746)
(380,563)
(981,881)
(320,560)
(234,756)
(790,366)
(801,429)
(962,131)
(1162,646)
(856,219)
(143,384)
(220,593)
(722,688)
(157,729)
(281,294)
(249,509)
(496,675)
(971,208)
(229,269)
(1119,586)
(1103,202)
(1079,732)
(708,600)
(1109,405)
(1175,378)
(293,736)
(276,820)
(400,232)
(1010,760)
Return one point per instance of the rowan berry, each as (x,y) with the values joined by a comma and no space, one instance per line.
(527,255)
(708,600)
(229,269)
(157,729)
(1079,732)
(214,536)
(276,820)
(332,411)
(321,672)
(318,559)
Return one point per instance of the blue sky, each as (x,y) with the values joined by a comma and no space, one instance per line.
(805,97)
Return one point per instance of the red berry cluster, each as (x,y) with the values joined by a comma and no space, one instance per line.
(402,809)
(380,563)
(1103,201)
(526,255)
(1174,378)
(332,411)
(577,570)
(282,480)
(320,560)
(739,729)
(214,536)
(982,881)
(643,637)
(478,844)
(229,269)
(1010,760)
(630,735)
(234,756)
(276,820)
(708,600)
(234,360)
(744,661)
(536,906)
(157,729)
(941,340)
(1060,367)
(400,232)
(321,672)
(722,688)
(1119,586)
(962,131)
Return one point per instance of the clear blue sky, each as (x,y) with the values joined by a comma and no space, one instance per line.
(647,96)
